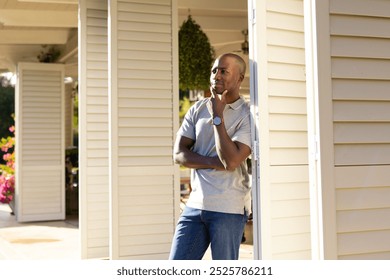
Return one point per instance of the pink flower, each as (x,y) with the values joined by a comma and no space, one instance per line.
(7,188)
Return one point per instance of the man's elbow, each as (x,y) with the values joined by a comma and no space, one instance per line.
(177,158)
(231,166)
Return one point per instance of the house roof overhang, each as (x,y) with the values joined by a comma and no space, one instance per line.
(27,25)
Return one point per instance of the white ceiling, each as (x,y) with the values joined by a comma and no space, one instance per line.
(26,25)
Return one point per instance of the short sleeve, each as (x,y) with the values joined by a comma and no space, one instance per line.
(187,127)
(243,132)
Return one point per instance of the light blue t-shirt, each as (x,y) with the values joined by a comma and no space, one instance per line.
(214,190)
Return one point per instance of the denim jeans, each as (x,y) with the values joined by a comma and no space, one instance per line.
(197,229)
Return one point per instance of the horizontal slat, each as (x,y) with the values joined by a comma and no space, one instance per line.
(287,105)
(145,239)
(295,255)
(142,171)
(363,198)
(135,84)
(97,181)
(362,176)
(289,191)
(147,229)
(287,226)
(161,7)
(98,21)
(144,151)
(142,17)
(144,36)
(365,257)
(103,126)
(144,46)
(97,109)
(350,89)
(285,21)
(359,26)
(289,72)
(348,68)
(97,31)
(145,55)
(151,180)
(145,161)
(144,103)
(286,174)
(146,141)
(288,156)
(286,88)
(286,55)
(360,47)
(157,209)
(286,38)
(127,251)
(345,133)
(148,257)
(290,208)
(286,7)
(144,27)
(143,131)
(291,243)
(145,122)
(360,154)
(376,8)
(97,74)
(363,242)
(150,75)
(145,219)
(291,139)
(288,122)
(99,197)
(361,111)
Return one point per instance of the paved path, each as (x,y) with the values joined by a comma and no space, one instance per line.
(57,240)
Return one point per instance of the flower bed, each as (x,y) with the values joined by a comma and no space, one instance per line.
(7,170)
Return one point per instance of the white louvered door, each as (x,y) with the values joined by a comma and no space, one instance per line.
(93,129)
(143,122)
(40,149)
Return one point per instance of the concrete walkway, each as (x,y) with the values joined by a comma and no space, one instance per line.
(57,240)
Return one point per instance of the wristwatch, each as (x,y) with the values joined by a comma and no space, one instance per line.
(217,121)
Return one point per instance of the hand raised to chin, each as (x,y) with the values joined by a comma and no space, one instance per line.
(218,102)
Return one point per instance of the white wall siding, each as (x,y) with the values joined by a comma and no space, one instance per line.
(285,217)
(360,56)
(93,130)
(351,85)
(143,124)
(40,138)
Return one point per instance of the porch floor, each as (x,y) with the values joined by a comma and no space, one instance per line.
(57,240)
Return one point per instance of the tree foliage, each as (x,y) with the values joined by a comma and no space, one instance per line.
(196,56)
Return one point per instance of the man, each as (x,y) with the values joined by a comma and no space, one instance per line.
(214,141)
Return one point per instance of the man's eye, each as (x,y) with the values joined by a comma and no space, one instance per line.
(214,71)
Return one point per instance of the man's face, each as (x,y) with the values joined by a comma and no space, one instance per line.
(225,75)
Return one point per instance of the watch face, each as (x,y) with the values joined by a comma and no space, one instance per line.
(217,121)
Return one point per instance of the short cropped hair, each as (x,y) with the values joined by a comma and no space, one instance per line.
(240,61)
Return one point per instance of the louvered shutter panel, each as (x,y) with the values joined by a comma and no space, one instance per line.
(40,154)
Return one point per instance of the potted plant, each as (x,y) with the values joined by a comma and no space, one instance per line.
(196,56)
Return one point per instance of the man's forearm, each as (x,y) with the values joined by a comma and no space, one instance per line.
(193,160)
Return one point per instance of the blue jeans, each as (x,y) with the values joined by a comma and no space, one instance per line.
(197,229)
